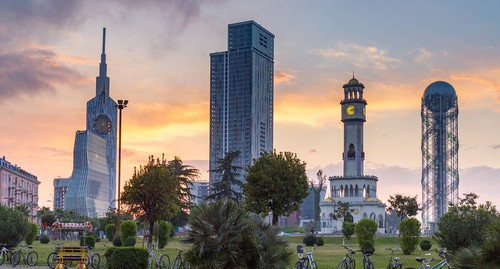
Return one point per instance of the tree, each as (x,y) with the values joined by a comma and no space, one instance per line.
(128,229)
(365,230)
(463,224)
(229,183)
(343,211)
(46,216)
(13,226)
(404,206)
(410,235)
(152,194)
(276,183)
(236,239)
(317,188)
(185,175)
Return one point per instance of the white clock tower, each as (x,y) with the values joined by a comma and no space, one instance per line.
(354,187)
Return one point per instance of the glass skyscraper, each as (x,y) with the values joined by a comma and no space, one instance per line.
(241,95)
(95,150)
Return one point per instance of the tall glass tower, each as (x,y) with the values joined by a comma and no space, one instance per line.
(439,152)
(86,187)
(241,95)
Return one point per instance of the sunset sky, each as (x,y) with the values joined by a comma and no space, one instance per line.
(158,59)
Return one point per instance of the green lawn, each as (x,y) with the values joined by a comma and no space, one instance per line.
(327,256)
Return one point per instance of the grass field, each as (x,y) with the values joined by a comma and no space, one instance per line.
(327,256)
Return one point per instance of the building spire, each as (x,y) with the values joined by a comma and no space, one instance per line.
(102,81)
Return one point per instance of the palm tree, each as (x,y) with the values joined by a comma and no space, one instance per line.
(229,183)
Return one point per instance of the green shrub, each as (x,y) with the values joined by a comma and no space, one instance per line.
(117,241)
(320,242)
(14,225)
(310,240)
(44,239)
(410,235)
(88,240)
(348,229)
(110,231)
(365,230)
(33,231)
(162,233)
(98,239)
(367,246)
(425,245)
(126,258)
(129,242)
(128,229)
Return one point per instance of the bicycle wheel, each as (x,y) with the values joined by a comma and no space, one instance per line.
(176,264)
(299,265)
(369,265)
(103,262)
(94,260)
(15,259)
(314,265)
(32,258)
(3,257)
(164,261)
(52,260)
(343,265)
(398,266)
(352,263)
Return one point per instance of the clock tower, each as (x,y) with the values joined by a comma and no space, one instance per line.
(353,186)
(101,118)
(353,116)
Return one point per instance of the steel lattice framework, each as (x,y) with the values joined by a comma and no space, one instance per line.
(439,152)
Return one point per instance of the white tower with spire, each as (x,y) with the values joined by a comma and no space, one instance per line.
(353,187)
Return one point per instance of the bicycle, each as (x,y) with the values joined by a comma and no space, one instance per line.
(397,261)
(367,264)
(103,261)
(162,262)
(443,263)
(348,261)
(30,258)
(95,258)
(306,262)
(4,253)
(178,263)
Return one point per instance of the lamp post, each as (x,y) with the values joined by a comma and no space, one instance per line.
(121,105)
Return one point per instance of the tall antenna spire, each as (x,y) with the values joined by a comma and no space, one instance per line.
(102,81)
(104,40)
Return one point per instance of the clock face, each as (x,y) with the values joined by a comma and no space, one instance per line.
(350,110)
(102,125)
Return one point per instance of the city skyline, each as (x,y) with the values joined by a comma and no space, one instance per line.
(157,54)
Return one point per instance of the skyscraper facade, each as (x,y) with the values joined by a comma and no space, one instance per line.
(60,189)
(353,187)
(242,95)
(439,152)
(88,170)
(88,189)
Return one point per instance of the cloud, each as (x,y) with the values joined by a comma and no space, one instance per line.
(476,79)
(33,71)
(495,146)
(361,56)
(423,55)
(283,77)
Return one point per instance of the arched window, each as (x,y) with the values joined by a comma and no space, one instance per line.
(372,216)
(341,191)
(346,189)
(334,194)
(351,193)
(356,191)
(365,216)
(380,221)
(351,153)
(368,191)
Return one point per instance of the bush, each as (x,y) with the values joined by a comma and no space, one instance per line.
(44,239)
(117,241)
(162,233)
(367,246)
(126,258)
(410,235)
(33,231)
(110,232)
(425,245)
(87,240)
(128,229)
(310,240)
(98,239)
(348,229)
(320,242)
(130,241)
(13,226)
(365,230)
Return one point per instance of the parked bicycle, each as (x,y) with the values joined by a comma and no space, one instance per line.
(178,263)
(367,264)
(93,258)
(29,256)
(103,261)
(348,261)
(443,263)
(155,261)
(305,262)
(394,263)
(4,253)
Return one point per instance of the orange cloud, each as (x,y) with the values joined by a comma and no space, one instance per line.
(285,77)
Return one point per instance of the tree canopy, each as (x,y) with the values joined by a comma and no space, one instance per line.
(276,183)
(343,211)
(152,193)
(404,206)
(229,185)
(13,225)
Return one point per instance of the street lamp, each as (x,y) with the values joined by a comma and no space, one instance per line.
(121,105)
